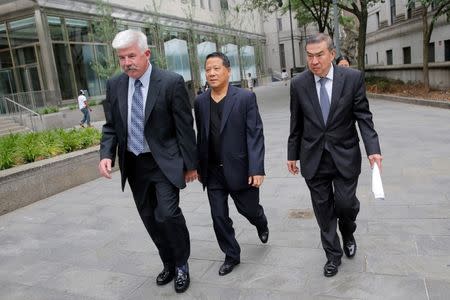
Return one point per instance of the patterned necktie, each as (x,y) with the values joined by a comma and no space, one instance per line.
(324,99)
(137,120)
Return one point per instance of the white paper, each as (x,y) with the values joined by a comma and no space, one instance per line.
(377,185)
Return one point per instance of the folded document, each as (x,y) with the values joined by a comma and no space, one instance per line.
(377,185)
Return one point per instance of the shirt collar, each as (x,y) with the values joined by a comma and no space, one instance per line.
(145,78)
(329,75)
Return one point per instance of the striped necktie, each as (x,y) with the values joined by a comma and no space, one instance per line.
(137,120)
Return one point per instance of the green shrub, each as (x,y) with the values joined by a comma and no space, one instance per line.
(92,103)
(48,110)
(8,146)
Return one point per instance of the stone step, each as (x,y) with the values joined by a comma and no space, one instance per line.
(4,132)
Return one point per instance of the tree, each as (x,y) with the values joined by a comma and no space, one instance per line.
(104,31)
(308,11)
(429,18)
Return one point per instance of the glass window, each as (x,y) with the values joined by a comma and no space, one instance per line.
(282,56)
(177,57)
(25,56)
(431,52)
(5,59)
(203,49)
(231,51)
(248,60)
(150,33)
(407,55)
(102,58)
(3,39)
(447,50)
(7,85)
(78,30)
(56,28)
(22,32)
(85,76)
(64,70)
(389,57)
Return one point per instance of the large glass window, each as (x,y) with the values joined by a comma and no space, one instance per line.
(85,76)
(56,28)
(203,49)
(5,59)
(22,32)
(63,67)
(24,56)
(389,57)
(78,30)
(231,50)
(177,57)
(248,60)
(406,55)
(7,84)
(3,39)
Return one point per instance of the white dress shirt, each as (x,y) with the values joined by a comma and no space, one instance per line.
(328,84)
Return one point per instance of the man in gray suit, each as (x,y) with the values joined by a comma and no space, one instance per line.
(326,102)
(149,121)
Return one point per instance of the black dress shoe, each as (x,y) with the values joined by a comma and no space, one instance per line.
(165,276)
(264,235)
(331,268)
(181,282)
(227,267)
(349,246)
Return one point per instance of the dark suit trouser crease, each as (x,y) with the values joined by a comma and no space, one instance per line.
(333,197)
(247,204)
(157,201)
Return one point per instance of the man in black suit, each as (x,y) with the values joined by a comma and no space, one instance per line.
(149,120)
(230,144)
(323,137)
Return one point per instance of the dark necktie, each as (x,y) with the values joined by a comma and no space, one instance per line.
(137,120)
(324,99)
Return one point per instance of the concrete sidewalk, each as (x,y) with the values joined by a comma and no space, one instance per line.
(89,243)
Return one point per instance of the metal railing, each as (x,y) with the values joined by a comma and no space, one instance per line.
(20,113)
(34,100)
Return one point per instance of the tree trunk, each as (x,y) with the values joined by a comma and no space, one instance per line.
(362,36)
(426,41)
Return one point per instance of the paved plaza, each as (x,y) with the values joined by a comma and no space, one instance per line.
(89,243)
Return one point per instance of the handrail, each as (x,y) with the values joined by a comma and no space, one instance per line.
(21,106)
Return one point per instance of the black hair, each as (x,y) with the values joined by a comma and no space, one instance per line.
(343,57)
(225,60)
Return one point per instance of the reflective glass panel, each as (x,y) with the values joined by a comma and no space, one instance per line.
(248,60)
(24,56)
(5,59)
(231,50)
(203,49)
(85,76)
(22,32)
(77,30)
(177,57)
(64,70)
(6,82)
(102,54)
(56,28)
(3,39)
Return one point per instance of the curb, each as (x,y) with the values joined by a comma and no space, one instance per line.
(417,101)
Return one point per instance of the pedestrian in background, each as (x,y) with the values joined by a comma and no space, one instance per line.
(85,109)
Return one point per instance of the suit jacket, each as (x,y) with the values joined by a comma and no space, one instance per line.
(309,134)
(241,132)
(168,127)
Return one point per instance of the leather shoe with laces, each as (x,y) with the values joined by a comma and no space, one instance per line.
(165,276)
(181,282)
(227,267)
(264,235)
(331,268)
(349,246)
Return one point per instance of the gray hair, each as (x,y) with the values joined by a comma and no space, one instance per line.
(318,38)
(129,38)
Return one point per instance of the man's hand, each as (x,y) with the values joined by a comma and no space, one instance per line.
(256,180)
(190,175)
(375,158)
(292,167)
(105,167)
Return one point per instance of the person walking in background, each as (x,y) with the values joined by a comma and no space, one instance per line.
(230,145)
(250,81)
(85,109)
(343,61)
(326,102)
(284,76)
(149,125)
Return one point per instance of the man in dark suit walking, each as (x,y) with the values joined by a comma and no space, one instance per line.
(149,121)
(323,137)
(230,144)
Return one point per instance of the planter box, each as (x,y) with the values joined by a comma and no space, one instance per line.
(25,184)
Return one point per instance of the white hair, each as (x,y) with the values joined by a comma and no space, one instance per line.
(129,38)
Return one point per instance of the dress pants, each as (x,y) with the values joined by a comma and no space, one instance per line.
(247,204)
(157,201)
(333,197)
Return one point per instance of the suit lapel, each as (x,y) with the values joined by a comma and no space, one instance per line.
(313,97)
(338,84)
(228,105)
(205,111)
(122,97)
(153,92)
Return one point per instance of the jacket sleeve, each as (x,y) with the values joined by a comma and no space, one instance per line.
(296,125)
(184,122)
(108,144)
(255,138)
